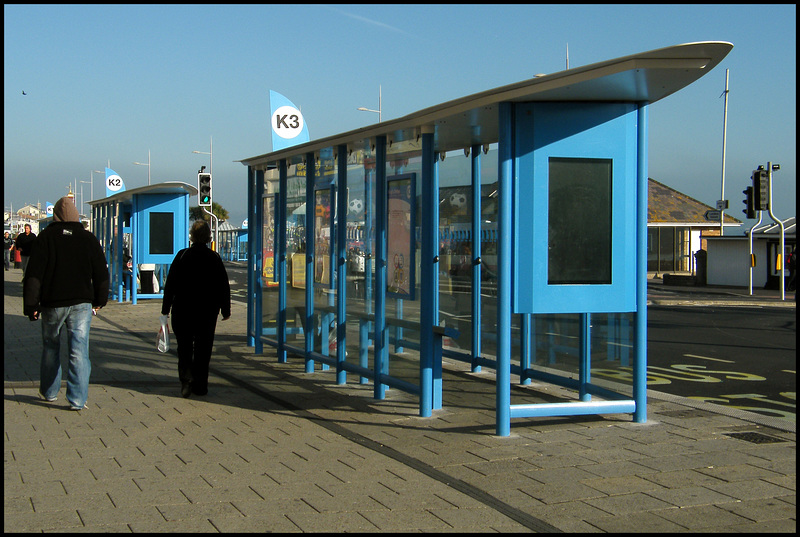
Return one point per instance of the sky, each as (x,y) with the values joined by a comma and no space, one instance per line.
(106,84)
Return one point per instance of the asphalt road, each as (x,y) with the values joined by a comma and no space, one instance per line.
(734,356)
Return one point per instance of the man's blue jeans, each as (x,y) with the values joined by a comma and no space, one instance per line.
(78,320)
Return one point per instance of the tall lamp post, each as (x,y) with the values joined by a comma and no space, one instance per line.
(91,195)
(82,198)
(148,166)
(211,155)
(378,111)
(91,175)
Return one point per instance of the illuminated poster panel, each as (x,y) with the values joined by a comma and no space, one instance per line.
(401,191)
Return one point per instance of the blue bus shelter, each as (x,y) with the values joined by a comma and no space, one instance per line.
(141,230)
(506,229)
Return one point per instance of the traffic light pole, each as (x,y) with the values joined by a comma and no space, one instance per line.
(214,246)
(752,261)
(779,257)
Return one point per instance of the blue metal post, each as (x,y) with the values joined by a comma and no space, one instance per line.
(428,273)
(505,181)
(381,349)
(258,261)
(525,348)
(476,256)
(134,246)
(309,330)
(341,264)
(640,357)
(251,217)
(280,257)
(585,367)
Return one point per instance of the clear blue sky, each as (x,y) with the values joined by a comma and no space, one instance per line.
(105,84)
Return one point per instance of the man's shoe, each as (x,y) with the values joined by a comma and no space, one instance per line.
(186,389)
(48,399)
(73,406)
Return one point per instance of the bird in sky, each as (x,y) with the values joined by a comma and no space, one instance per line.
(23,92)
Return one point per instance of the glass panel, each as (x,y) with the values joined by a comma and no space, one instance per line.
(324,248)
(579,226)
(456,247)
(296,255)
(489,215)
(359,247)
(555,344)
(405,157)
(269,270)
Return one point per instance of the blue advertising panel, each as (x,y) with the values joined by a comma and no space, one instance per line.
(575,208)
(160,222)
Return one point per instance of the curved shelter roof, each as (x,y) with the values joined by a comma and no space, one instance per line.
(473,120)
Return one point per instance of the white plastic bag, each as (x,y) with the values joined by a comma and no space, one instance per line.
(163,335)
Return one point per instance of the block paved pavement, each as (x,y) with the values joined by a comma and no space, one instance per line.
(272,448)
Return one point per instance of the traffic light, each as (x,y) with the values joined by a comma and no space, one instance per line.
(749,210)
(760,190)
(204,189)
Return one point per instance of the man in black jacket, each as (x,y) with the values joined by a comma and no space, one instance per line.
(66,282)
(24,243)
(197,290)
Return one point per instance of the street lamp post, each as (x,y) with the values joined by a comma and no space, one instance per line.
(82,198)
(148,166)
(378,111)
(211,155)
(91,175)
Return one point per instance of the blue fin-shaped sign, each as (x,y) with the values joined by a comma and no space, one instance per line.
(114,183)
(287,123)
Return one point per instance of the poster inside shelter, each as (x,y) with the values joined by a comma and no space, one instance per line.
(401,191)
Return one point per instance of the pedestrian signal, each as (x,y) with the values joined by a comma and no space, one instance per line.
(204,189)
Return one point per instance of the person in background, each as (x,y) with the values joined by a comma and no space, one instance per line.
(23,243)
(8,245)
(196,291)
(66,281)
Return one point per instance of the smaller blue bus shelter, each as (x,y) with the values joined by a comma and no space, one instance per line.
(141,230)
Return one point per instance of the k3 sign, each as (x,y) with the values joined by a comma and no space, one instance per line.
(288,126)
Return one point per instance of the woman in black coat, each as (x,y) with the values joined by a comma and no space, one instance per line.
(197,290)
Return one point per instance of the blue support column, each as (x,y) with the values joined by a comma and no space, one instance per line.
(640,356)
(525,348)
(505,181)
(381,349)
(280,257)
(428,275)
(341,264)
(251,217)
(308,330)
(585,352)
(476,256)
(257,259)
